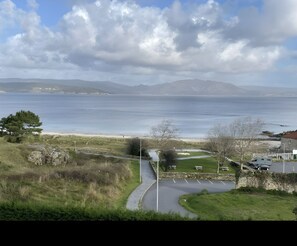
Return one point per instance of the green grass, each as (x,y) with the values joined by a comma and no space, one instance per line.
(209,165)
(238,205)
(200,153)
(129,186)
(41,212)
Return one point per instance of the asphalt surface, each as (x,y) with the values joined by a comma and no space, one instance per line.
(289,167)
(171,190)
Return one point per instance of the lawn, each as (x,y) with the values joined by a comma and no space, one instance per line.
(209,165)
(200,153)
(239,205)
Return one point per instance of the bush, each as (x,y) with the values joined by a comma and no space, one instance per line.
(32,212)
(170,158)
(204,192)
(295,212)
(133,147)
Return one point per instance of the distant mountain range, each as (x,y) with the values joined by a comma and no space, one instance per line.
(182,87)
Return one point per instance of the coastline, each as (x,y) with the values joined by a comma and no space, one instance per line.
(115,136)
(271,143)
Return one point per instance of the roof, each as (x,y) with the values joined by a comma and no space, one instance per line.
(290,135)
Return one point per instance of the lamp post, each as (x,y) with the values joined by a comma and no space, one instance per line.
(157,182)
(284,160)
(140,161)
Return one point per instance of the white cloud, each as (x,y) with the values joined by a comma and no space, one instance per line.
(106,37)
(33,4)
(274,24)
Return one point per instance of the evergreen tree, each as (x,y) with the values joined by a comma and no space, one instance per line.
(21,124)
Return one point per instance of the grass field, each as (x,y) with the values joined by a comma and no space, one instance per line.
(209,165)
(239,205)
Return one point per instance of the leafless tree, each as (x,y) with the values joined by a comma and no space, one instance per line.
(221,143)
(164,133)
(245,131)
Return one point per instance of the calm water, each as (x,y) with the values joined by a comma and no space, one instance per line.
(134,115)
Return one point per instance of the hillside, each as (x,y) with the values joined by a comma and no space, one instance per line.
(31,87)
(194,87)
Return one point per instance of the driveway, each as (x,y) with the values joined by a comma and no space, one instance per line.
(171,190)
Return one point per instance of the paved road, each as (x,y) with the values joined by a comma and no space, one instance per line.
(171,190)
(277,167)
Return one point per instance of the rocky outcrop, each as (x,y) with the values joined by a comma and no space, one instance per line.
(49,156)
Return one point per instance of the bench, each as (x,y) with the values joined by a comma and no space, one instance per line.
(198,167)
(224,168)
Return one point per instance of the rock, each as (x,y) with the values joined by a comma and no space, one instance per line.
(49,156)
(36,157)
(59,158)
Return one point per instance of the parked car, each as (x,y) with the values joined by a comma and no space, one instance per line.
(264,168)
(256,163)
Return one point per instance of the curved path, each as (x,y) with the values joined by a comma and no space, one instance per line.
(171,190)
(148,179)
(144,196)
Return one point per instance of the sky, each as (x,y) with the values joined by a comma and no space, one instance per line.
(250,42)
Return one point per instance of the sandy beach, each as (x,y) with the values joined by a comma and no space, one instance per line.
(269,143)
(116,136)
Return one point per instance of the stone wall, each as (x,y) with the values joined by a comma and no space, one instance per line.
(202,176)
(268,181)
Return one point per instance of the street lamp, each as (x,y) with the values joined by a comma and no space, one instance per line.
(157,181)
(140,161)
(284,160)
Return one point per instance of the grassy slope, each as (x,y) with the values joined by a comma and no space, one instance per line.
(241,206)
(130,186)
(26,187)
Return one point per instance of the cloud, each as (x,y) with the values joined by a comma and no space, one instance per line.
(121,37)
(272,25)
(32,4)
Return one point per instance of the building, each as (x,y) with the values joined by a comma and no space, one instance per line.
(289,142)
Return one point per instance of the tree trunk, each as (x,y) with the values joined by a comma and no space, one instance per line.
(218,170)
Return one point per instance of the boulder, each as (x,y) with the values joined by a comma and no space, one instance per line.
(49,156)
(36,157)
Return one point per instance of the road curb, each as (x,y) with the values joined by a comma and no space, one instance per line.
(140,200)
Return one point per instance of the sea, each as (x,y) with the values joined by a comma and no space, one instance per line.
(134,115)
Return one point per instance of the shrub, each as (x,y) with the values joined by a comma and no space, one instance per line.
(133,147)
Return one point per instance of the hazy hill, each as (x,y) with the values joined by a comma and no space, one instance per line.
(181,87)
(192,87)
(27,87)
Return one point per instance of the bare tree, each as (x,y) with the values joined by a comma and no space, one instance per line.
(164,133)
(245,131)
(221,143)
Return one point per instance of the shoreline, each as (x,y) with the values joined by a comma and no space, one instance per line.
(272,143)
(115,136)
